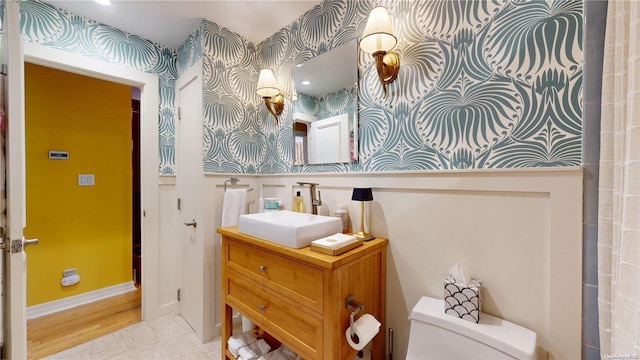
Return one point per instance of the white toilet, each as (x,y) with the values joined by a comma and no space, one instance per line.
(436,335)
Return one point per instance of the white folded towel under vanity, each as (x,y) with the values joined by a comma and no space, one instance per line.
(254,351)
(235,343)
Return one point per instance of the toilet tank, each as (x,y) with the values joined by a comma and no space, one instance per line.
(436,335)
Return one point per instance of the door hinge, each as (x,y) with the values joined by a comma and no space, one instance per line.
(179,113)
(179,204)
(178,294)
(3,69)
(16,246)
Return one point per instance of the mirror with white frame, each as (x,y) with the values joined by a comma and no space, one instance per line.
(325,119)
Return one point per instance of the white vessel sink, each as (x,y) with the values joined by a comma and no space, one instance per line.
(289,228)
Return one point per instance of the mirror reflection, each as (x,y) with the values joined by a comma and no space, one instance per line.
(326,110)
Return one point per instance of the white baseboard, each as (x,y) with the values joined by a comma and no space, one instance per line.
(51,307)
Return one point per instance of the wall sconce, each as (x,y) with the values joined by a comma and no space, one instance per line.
(378,39)
(270,92)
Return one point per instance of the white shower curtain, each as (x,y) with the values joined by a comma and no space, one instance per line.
(619,195)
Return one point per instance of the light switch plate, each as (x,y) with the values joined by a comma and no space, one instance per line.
(86,180)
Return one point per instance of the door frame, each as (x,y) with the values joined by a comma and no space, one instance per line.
(149,140)
(15,324)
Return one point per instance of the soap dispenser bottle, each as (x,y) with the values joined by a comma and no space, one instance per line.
(343,214)
(298,203)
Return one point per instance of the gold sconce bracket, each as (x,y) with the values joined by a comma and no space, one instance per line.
(275,105)
(388,66)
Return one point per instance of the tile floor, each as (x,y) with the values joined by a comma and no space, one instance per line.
(168,337)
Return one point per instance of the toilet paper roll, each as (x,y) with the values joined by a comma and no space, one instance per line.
(365,328)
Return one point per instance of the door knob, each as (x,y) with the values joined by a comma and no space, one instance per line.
(28,242)
(18,245)
(192,223)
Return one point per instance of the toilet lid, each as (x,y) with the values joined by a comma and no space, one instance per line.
(507,337)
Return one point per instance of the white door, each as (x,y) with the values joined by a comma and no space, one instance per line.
(190,189)
(15,334)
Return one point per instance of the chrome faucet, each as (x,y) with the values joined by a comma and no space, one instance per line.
(315,202)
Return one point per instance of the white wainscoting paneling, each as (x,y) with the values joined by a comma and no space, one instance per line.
(169,249)
(519,231)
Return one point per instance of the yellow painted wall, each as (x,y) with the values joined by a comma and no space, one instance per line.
(83,227)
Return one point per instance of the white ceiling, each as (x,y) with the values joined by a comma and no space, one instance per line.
(170,22)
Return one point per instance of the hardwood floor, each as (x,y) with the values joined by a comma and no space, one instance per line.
(53,333)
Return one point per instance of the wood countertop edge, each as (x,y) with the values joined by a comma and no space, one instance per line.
(306,254)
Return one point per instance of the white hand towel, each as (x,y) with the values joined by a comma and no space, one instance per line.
(240,341)
(254,350)
(233,205)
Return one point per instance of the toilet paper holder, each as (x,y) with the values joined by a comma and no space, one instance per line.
(350,301)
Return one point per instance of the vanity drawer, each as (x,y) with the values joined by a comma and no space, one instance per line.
(296,281)
(301,330)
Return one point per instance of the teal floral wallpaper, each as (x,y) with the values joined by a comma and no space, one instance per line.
(43,24)
(334,103)
(482,84)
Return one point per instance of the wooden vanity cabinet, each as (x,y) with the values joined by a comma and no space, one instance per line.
(298,296)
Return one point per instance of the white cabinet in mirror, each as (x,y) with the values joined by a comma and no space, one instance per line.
(326,110)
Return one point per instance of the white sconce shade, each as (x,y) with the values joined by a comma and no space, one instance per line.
(378,34)
(267,86)
(268,89)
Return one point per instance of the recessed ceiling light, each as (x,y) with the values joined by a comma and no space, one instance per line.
(103,2)
(306,82)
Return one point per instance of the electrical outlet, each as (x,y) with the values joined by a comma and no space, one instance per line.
(69,272)
(86,180)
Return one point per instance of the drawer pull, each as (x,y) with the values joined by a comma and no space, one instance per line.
(262,268)
(263,307)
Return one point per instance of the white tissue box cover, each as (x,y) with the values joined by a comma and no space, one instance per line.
(462,300)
